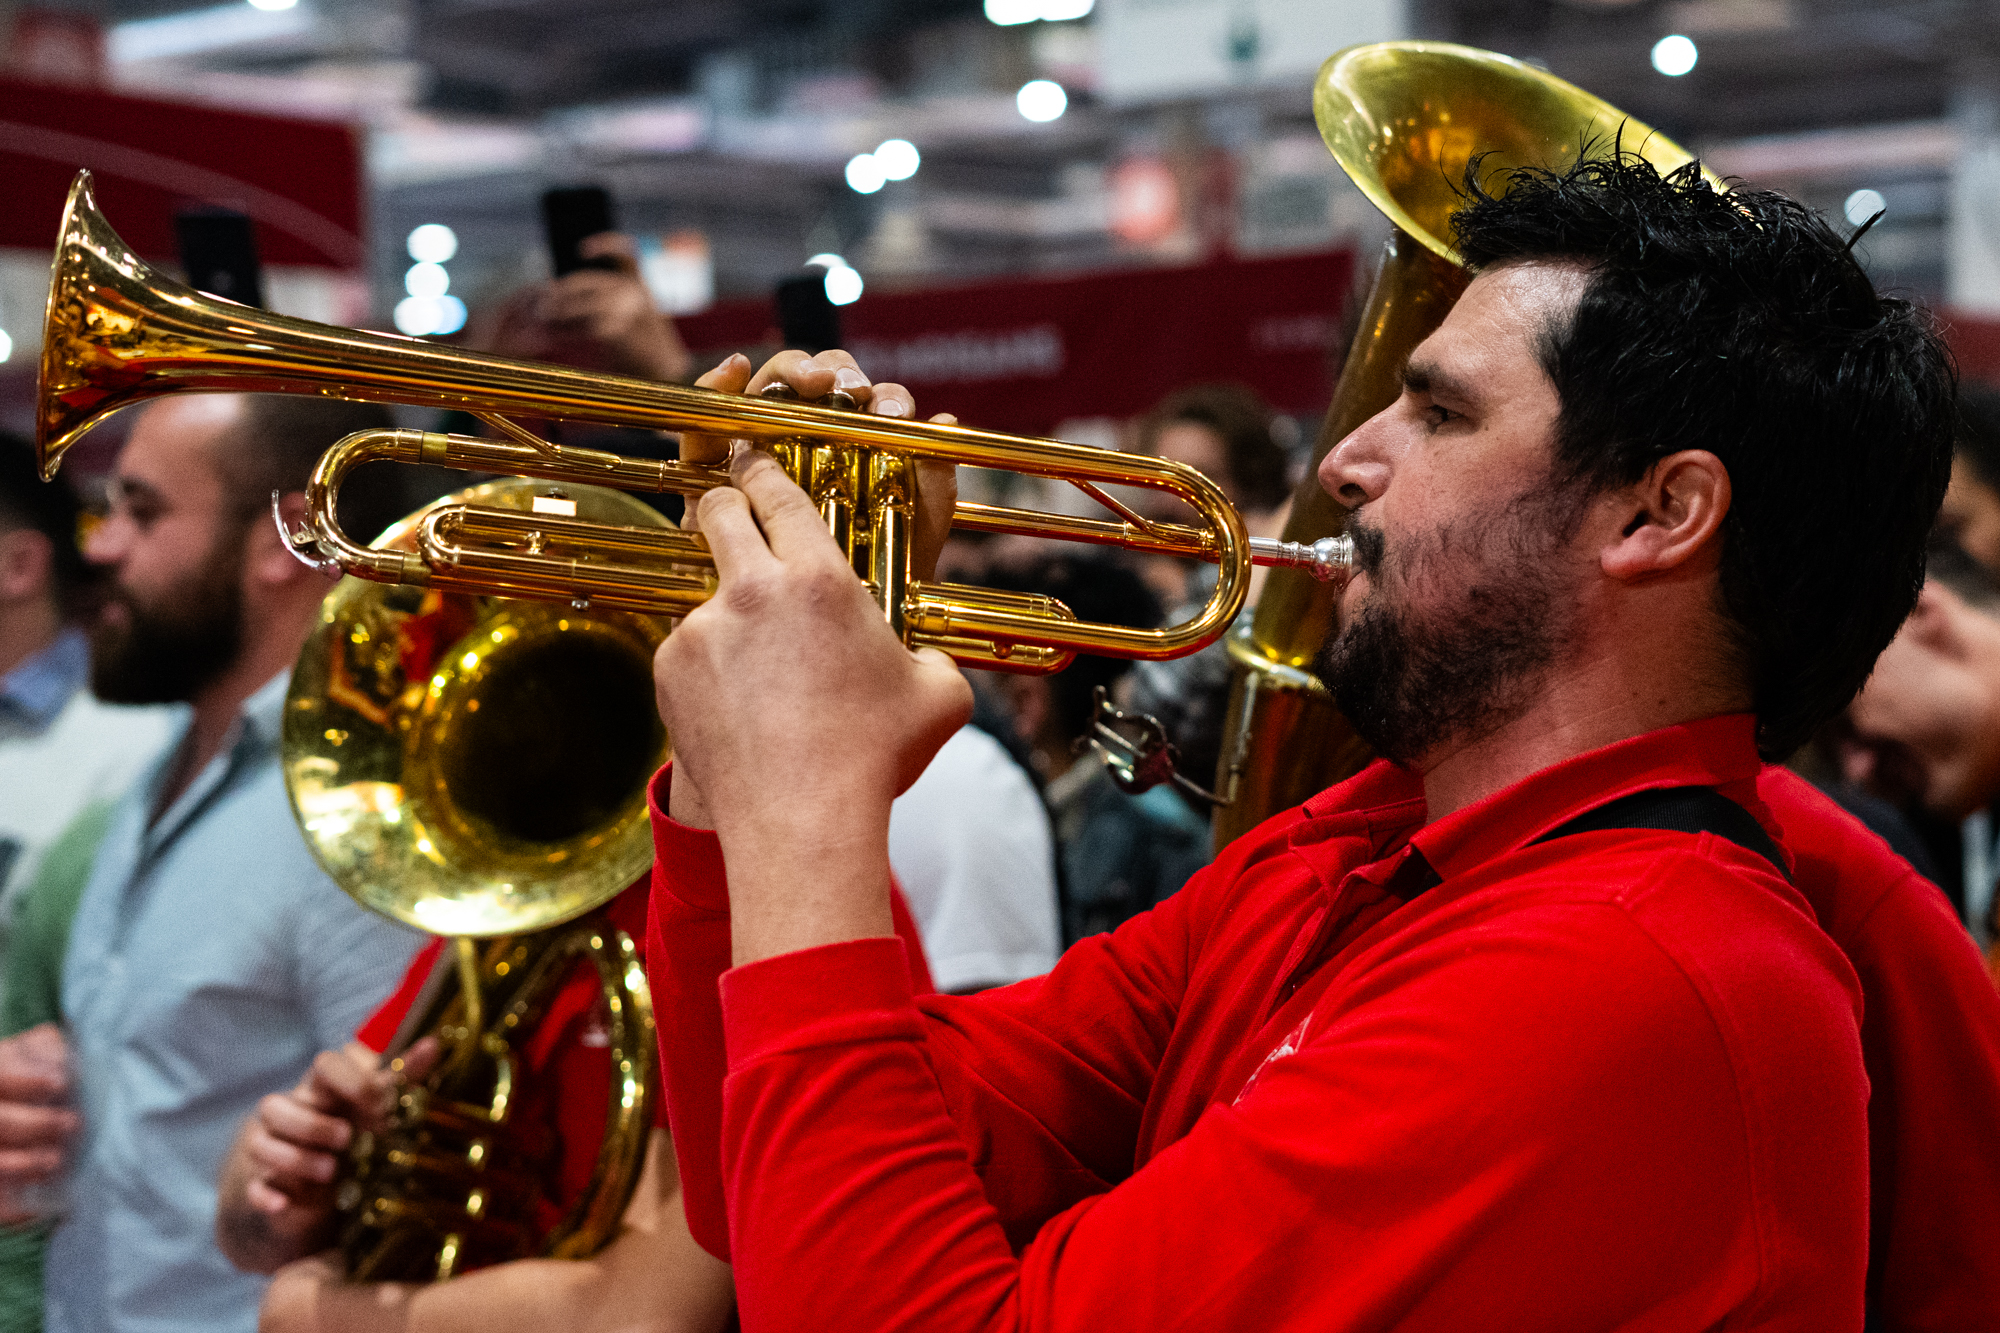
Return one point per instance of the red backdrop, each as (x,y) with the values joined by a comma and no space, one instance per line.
(1024,355)
(1975,341)
(300,179)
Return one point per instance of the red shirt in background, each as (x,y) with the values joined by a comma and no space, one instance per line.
(1612,1081)
(1930,1036)
(564,1080)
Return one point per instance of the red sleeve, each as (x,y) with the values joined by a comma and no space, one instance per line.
(1048,1122)
(380,1029)
(1353,1187)
(687,948)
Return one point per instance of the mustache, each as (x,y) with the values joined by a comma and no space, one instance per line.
(1368,547)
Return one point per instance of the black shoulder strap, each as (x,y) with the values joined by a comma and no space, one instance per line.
(1680,810)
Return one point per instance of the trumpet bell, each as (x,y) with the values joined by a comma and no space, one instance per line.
(1404,118)
(476,765)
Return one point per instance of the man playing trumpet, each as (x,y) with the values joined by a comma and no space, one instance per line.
(1481,1037)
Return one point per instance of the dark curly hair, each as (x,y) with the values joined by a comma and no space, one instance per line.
(1740,323)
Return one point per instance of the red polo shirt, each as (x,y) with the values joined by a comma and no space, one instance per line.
(1609,1082)
(1930,1035)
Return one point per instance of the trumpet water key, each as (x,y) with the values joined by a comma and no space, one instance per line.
(119,332)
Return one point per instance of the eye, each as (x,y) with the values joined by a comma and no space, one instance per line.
(1440,416)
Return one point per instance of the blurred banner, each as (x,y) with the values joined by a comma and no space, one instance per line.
(1975,341)
(299,179)
(1024,355)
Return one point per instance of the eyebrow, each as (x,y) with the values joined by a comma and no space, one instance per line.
(129,489)
(1427,377)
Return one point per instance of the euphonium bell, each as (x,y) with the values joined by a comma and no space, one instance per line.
(118,333)
(477,767)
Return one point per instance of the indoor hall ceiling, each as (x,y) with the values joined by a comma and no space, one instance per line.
(778,94)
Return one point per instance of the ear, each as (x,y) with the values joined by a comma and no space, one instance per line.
(27,564)
(266,560)
(1669,517)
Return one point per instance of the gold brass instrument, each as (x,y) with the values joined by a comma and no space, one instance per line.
(476,767)
(118,333)
(1403,119)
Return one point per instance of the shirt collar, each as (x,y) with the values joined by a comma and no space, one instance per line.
(1384,804)
(39,687)
(263,713)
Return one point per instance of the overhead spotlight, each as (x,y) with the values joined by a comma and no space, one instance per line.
(6,345)
(428,316)
(427,280)
(1042,100)
(1675,55)
(451,315)
(843,285)
(432,243)
(827,260)
(1862,205)
(272,4)
(898,159)
(1007,13)
(865,174)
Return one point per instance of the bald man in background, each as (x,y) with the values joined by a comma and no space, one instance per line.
(210,958)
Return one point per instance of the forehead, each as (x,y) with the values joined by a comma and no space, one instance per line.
(174,445)
(1494,333)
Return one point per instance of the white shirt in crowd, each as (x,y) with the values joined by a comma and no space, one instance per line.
(971,847)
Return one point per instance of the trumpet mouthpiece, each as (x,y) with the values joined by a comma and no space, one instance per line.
(1330,559)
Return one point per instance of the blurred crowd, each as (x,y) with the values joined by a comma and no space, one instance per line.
(173,955)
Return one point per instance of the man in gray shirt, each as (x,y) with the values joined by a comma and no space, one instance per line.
(210,957)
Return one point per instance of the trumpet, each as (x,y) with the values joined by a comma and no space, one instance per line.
(119,332)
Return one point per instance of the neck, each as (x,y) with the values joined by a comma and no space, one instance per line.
(27,627)
(267,651)
(1612,697)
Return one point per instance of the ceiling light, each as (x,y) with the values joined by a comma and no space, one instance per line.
(425,316)
(272,4)
(451,315)
(1007,13)
(1674,56)
(1862,205)
(828,260)
(6,345)
(1041,100)
(843,285)
(898,159)
(864,173)
(433,243)
(427,280)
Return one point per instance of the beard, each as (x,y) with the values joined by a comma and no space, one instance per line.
(1411,679)
(170,649)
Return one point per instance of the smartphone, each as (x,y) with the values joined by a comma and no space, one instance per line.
(806,319)
(569,215)
(219,253)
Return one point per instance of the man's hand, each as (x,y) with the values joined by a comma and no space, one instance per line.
(797,715)
(276,1194)
(812,378)
(36,1122)
(595,319)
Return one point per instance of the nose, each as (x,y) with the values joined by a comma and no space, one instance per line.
(1356,470)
